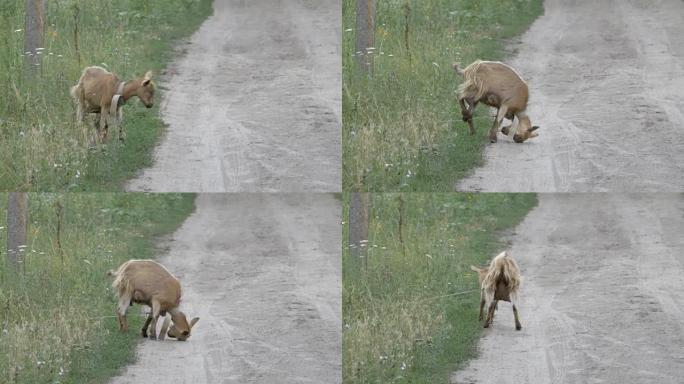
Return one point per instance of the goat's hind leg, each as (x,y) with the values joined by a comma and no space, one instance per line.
(467,109)
(518,326)
(482,305)
(124,302)
(490,313)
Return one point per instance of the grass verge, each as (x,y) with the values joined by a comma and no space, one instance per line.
(402,128)
(57,316)
(410,307)
(41,147)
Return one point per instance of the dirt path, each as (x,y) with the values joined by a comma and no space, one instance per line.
(606,80)
(601,300)
(263,273)
(254,103)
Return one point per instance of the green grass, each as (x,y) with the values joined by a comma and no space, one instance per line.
(410,310)
(41,147)
(57,317)
(402,128)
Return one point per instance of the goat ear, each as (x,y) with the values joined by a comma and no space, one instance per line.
(534,128)
(193,322)
(535,134)
(148,75)
(474,268)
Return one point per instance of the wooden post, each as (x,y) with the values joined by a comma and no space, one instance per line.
(365,34)
(17,228)
(34,27)
(359,209)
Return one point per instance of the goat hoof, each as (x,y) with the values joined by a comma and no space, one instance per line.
(518,327)
(143,333)
(492,140)
(153,337)
(486,325)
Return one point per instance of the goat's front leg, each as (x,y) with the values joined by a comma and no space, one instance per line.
(119,121)
(147,324)
(497,122)
(490,313)
(155,316)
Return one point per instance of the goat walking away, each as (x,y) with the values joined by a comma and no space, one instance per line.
(497,85)
(99,91)
(148,282)
(499,281)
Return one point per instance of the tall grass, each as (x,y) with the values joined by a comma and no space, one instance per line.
(410,307)
(57,316)
(41,147)
(402,128)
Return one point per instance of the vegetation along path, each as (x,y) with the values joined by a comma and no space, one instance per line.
(263,274)
(599,301)
(605,80)
(254,104)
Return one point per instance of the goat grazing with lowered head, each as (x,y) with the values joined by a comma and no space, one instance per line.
(497,85)
(499,281)
(102,92)
(148,282)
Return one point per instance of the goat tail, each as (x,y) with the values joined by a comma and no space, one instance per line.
(473,86)
(121,282)
(504,265)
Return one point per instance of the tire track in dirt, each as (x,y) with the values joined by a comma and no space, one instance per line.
(254,103)
(605,80)
(601,301)
(263,273)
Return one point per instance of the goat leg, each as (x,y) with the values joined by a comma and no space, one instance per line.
(497,123)
(490,313)
(119,120)
(147,324)
(103,127)
(517,320)
(467,112)
(122,307)
(156,308)
(482,304)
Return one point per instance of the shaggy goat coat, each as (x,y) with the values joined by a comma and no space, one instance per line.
(500,281)
(148,282)
(497,85)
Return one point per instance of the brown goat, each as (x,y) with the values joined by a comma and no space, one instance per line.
(500,281)
(148,282)
(102,92)
(497,85)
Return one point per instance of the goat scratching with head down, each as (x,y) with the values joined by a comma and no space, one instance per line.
(497,85)
(102,92)
(148,282)
(499,281)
